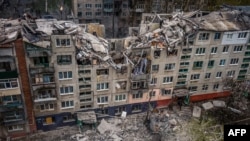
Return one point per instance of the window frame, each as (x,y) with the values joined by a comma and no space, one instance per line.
(65,75)
(168,79)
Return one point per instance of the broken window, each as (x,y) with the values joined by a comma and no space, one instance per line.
(102,72)
(186,50)
(121,85)
(85,79)
(84,62)
(112,47)
(5,66)
(141,68)
(182,76)
(85,106)
(85,93)
(84,71)
(139,85)
(180,83)
(172,52)
(85,100)
(184,64)
(185,57)
(203,36)
(41,61)
(166,91)
(157,53)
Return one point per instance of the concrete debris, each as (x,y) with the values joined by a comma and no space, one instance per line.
(235,110)
(207,105)
(219,103)
(87,117)
(173,122)
(196,111)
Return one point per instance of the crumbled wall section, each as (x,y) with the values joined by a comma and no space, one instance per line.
(23,72)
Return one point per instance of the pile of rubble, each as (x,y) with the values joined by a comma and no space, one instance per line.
(131,128)
(165,125)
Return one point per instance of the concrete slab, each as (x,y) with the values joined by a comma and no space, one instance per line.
(197,112)
(219,103)
(207,105)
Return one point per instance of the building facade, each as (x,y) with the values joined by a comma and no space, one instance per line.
(16,112)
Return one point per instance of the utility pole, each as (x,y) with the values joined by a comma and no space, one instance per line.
(113,19)
(46,6)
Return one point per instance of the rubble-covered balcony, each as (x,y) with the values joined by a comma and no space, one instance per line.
(43,95)
(84,63)
(121,86)
(13,116)
(41,68)
(142,67)
(37,51)
(102,74)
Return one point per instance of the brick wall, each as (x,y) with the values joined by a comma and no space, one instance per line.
(23,73)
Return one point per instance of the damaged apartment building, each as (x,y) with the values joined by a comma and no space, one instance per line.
(72,69)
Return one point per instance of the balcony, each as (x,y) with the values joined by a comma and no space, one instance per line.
(8,74)
(7,106)
(13,118)
(45,99)
(41,68)
(39,53)
(139,77)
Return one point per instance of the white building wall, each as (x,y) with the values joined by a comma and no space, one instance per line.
(230,38)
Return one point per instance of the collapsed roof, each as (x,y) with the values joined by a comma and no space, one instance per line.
(168,32)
